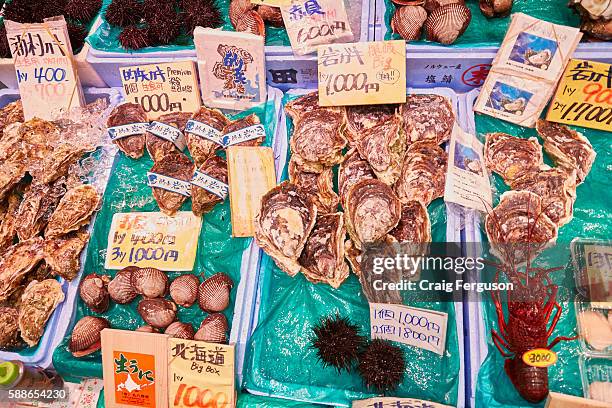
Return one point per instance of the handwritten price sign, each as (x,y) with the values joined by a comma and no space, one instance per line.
(153,240)
(362,73)
(584,96)
(393,402)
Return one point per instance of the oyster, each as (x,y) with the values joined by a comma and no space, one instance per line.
(127,129)
(318,186)
(496,8)
(283,224)
(120,288)
(158,313)
(8,218)
(414,225)
(39,137)
(445,24)
(372,211)
(37,303)
(10,114)
(360,119)
(94,293)
(9,327)
(86,335)
(408,22)
(55,164)
(209,185)
(568,149)
(247,131)
(176,166)
(427,117)
(203,134)
(73,211)
(352,170)
(11,141)
(423,173)
(322,259)
(511,157)
(184,290)
(213,329)
(12,171)
(149,282)
(16,262)
(38,203)
(63,253)
(305,104)
(214,293)
(159,147)
(599,29)
(180,330)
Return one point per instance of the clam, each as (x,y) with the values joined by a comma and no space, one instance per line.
(85,337)
(120,288)
(180,330)
(213,329)
(408,2)
(150,282)
(445,24)
(184,290)
(495,8)
(214,293)
(158,313)
(94,292)
(408,22)
(146,329)
(431,5)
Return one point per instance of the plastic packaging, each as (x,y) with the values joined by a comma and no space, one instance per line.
(594,328)
(597,378)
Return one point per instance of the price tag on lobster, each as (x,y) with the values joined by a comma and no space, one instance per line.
(162,88)
(362,73)
(540,357)
(584,96)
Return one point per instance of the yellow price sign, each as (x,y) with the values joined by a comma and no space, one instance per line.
(367,73)
(540,357)
(154,240)
(584,96)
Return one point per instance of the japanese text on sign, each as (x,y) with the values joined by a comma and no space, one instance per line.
(421,328)
(599,274)
(153,240)
(362,73)
(584,96)
(134,375)
(392,402)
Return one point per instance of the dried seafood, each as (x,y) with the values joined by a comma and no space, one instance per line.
(352,170)
(9,327)
(360,119)
(427,117)
(209,185)
(283,225)
(16,262)
(63,253)
(85,338)
(414,225)
(511,157)
(318,186)
(8,221)
(423,173)
(247,131)
(39,202)
(176,170)
(37,303)
(73,211)
(165,135)
(203,134)
(127,125)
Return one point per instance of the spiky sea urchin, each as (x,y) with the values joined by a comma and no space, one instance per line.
(155,9)
(382,365)
(338,342)
(134,38)
(163,29)
(5,51)
(33,11)
(77,33)
(82,10)
(123,13)
(200,13)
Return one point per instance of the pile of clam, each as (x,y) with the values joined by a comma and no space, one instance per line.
(158,313)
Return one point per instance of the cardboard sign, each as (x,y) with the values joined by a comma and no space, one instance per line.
(416,327)
(584,96)
(153,239)
(200,374)
(362,73)
(45,68)
(392,402)
(557,400)
(135,367)
(467,179)
(599,274)
(162,88)
(232,68)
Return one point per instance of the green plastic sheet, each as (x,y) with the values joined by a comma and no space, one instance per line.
(484,31)
(591,220)
(127,191)
(281,362)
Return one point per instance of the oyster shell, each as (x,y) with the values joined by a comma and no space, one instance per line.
(510,156)
(408,22)
(208,121)
(283,224)
(251,22)
(12,171)
(85,338)
(322,259)
(372,211)
(37,303)
(149,282)
(202,200)
(55,165)
(423,173)
(599,29)
(445,24)
(353,169)
(73,211)
(63,253)
(39,202)
(16,262)
(496,8)
(414,225)
(120,288)
(157,147)
(11,141)
(125,114)
(360,119)
(94,293)
(9,327)
(178,166)
(39,137)
(158,313)
(214,293)
(427,117)
(305,104)
(213,329)
(184,290)
(238,125)
(318,186)
(10,114)
(180,330)
(8,218)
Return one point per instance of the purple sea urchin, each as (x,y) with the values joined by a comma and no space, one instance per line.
(123,13)
(134,38)
(200,13)
(33,11)
(77,34)
(82,10)
(164,28)
(382,365)
(5,50)
(338,342)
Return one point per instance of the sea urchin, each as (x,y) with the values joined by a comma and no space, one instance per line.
(201,13)
(134,38)
(382,365)
(338,342)
(122,13)
(82,10)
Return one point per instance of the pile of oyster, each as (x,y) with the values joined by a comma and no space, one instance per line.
(596,17)
(393,169)
(44,213)
(158,313)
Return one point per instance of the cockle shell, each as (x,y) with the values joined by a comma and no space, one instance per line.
(85,337)
(120,288)
(408,2)
(184,290)
(158,313)
(408,22)
(180,330)
(431,5)
(146,329)
(94,292)
(150,282)
(213,329)
(214,293)
(447,23)
(495,8)
(251,22)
